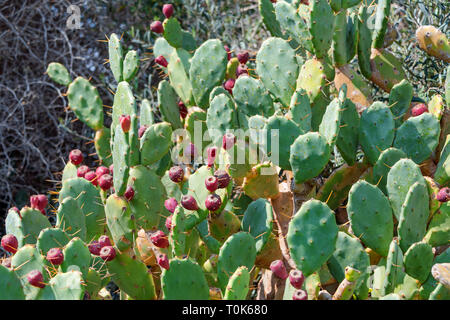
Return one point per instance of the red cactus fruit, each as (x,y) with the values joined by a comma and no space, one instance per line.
(101,171)
(163,261)
(189,203)
(104,241)
(105,182)
(76,157)
(227,49)
(228,140)
(107,253)
(129,193)
(176,174)
(9,243)
(36,279)
(296,278)
(443,195)
(157,27)
(142,130)
(55,256)
(159,239)
(91,177)
(213,202)
(211,183)
(94,248)
(39,201)
(170,204)
(241,69)
(168,222)
(418,109)
(82,170)
(111,169)
(183,110)
(229,85)
(167,10)
(300,295)
(161,61)
(278,268)
(223,177)
(125,122)
(243,56)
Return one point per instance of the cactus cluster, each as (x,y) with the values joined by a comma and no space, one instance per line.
(268,167)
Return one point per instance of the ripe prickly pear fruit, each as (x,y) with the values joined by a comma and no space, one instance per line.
(76,157)
(190,152)
(94,248)
(211,183)
(278,268)
(142,130)
(176,174)
(105,182)
(161,61)
(171,204)
(183,110)
(39,202)
(36,279)
(296,278)
(157,27)
(243,56)
(107,253)
(212,152)
(300,295)
(111,169)
(159,239)
(82,170)
(213,202)
(104,241)
(55,256)
(228,140)
(101,171)
(189,203)
(227,49)
(223,177)
(125,122)
(167,10)
(418,109)
(168,222)
(229,85)
(241,69)
(91,177)
(163,261)
(443,195)
(129,193)
(10,243)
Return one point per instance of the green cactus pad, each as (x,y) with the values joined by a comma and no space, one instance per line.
(132,277)
(364,41)
(124,104)
(232,65)
(238,285)
(115,57)
(413,216)
(162,48)
(309,156)
(148,201)
(85,101)
(370,214)
(339,44)
(146,117)
(400,178)
(65,286)
(155,142)
(312,236)
(26,226)
(25,260)
(208,67)
(168,104)
(376,130)
(258,221)
(262,182)
(331,122)
(400,100)
(184,280)
(436,106)
(121,160)
(418,137)
(381,22)
(58,73)
(418,261)
(172,32)
(121,221)
(239,250)
(347,139)
(320,26)
(221,116)
(71,219)
(267,12)
(438,231)
(130,65)
(51,238)
(287,133)
(90,203)
(103,146)
(277,66)
(252,98)
(387,159)
(70,171)
(178,70)
(289,19)
(76,257)
(387,70)
(350,253)
(300,110)
(10,285)
(394,269)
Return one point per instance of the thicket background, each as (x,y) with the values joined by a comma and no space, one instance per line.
(37,131)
